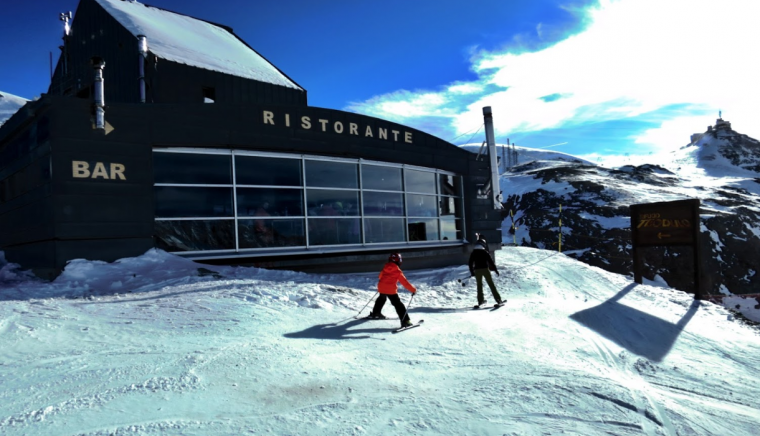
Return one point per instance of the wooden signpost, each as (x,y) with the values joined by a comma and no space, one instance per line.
(669,223)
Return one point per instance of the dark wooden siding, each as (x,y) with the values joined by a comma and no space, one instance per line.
(172,82)
(68,217)
(95,32)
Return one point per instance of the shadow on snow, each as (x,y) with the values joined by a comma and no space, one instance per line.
(342,330)
(638,332)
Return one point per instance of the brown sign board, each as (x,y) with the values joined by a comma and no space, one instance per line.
(665,224)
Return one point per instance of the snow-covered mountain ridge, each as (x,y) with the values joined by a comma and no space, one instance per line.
(9,105)
(721,168)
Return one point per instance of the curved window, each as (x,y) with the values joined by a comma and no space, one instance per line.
(255,202)
(267,171)
(420,181)
(269,202)
(199,169)
(381,178)
(383,204)
(332,202)
(422,205)
(186,202)
(268,233)
(328,174)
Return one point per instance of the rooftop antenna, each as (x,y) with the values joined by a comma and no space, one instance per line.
(65,17)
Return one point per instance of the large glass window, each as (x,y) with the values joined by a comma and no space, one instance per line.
(329,202)
(195,235)
(267,171)
(327,174)
(186,202)
(267,233)
(451,229)
(384,230)
(422,205)
(381,178)
(287,203)
(423,229)
(199,169)
(383,204)
(269,202)
(334,231)
(419,181)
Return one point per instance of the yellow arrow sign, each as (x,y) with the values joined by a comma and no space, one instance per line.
(662,235)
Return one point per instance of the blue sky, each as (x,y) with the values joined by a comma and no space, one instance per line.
(585,77)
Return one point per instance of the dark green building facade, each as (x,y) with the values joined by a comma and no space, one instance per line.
(256,178)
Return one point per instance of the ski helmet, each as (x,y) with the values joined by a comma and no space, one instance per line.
(395,258)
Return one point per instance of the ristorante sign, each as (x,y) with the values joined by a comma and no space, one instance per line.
(326,125)
(665,223)
(668,223)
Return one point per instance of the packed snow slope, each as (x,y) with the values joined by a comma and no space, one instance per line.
(154,345)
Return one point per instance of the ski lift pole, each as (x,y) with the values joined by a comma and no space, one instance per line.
(514,229)
(560,228)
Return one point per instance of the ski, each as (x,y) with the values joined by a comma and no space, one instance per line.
(486,306)
(417,324)
(380,319)
(498,305)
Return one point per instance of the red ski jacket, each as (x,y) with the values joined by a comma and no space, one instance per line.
(390,276)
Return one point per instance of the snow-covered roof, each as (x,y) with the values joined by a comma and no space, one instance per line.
(190,41)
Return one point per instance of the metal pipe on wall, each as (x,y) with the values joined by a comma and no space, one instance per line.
(100,114)
(491,141)
(142,47)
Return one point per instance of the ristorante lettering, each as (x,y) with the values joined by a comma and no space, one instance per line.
(664,223)
(338,127)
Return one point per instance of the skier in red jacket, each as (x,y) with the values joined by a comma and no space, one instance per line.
(390,276)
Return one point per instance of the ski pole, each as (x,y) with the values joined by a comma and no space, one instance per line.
(408,306)
(365,306)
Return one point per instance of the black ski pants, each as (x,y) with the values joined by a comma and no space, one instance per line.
(484,273)
(397,304)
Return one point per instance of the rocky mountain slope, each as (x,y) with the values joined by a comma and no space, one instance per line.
(720,167)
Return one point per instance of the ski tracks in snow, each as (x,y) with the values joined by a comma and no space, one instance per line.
(617,370)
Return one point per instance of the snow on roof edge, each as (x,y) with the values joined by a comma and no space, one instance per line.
(191,41)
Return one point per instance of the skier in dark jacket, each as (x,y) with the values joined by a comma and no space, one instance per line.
(390,277)
(481,264)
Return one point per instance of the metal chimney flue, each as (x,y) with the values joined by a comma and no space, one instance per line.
(142,48)
(99,91)
(66,18)
(491,141)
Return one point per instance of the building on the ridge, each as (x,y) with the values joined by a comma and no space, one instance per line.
(151,136)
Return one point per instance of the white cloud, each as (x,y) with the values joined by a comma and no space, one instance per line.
(635,57)
(676,131)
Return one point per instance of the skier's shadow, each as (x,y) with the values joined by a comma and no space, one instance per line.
(339,331)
